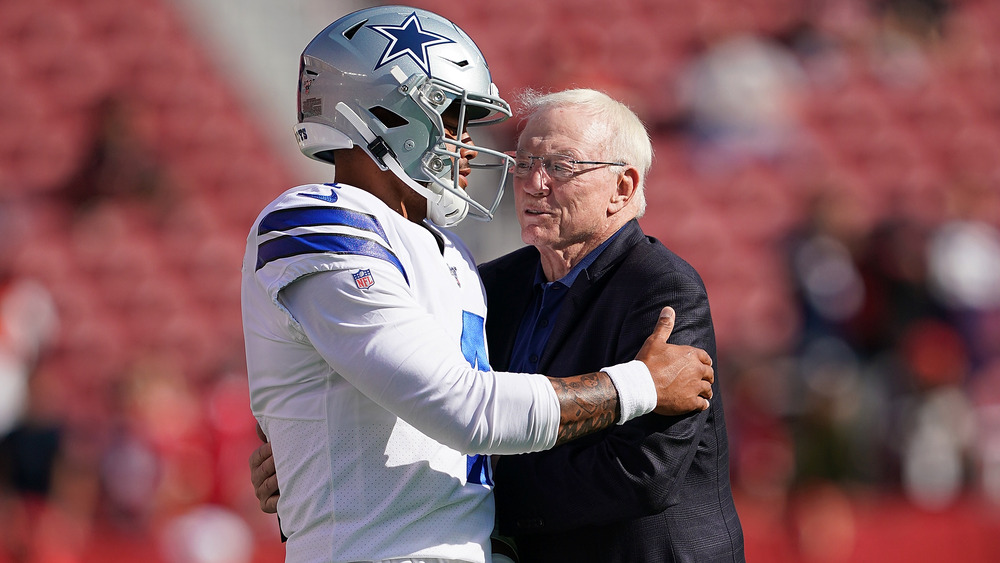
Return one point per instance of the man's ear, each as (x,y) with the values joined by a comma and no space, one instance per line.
(628,182)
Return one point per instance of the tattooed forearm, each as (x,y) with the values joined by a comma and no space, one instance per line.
(588,402)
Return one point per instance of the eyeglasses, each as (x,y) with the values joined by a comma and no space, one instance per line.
(558,166)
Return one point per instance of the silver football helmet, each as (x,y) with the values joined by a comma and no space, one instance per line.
(383,78)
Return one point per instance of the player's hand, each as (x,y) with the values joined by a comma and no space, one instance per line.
(263,475)
(683,375)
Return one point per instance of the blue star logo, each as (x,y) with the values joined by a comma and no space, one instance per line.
(408,39)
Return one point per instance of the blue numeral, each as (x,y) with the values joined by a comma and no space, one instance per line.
(474,349)
(474,341)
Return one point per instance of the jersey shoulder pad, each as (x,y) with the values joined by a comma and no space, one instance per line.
(317,228)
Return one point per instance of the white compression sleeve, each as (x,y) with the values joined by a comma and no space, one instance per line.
(636,391)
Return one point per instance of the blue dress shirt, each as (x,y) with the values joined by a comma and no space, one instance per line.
(540,317)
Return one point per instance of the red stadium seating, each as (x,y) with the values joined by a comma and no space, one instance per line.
(138,217)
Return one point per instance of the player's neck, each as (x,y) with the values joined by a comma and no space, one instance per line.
(355,168)
(414,209)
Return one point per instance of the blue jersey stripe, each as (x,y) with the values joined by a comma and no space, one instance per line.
(479,470)
(286,246)
(284,219)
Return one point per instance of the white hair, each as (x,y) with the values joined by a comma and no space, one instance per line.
(627,139)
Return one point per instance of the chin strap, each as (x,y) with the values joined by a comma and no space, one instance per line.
(443,208)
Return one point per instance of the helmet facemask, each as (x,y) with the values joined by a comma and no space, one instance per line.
(439,165)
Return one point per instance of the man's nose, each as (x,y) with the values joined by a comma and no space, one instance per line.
(536,182)
(470,151)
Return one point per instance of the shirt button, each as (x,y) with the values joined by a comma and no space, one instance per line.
(543,323)
(534,358)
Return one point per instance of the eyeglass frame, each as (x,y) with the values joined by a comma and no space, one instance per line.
(567,158)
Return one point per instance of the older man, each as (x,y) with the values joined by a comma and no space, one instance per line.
(582,295)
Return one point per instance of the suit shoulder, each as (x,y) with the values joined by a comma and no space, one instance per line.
(652,257)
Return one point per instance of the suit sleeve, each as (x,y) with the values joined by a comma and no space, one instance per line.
(626,472)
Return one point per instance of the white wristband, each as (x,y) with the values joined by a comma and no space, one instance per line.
(636,391)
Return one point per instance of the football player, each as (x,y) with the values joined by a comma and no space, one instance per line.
(364,320)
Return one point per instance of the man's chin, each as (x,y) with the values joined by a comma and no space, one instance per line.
(532,233)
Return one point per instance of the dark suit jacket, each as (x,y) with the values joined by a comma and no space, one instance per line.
(655,489)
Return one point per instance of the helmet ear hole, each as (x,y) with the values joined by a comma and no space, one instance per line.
(388,117)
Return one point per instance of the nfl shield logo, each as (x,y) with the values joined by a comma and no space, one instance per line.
(364,279)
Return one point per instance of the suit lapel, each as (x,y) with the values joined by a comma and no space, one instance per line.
(508,297)
(583,293)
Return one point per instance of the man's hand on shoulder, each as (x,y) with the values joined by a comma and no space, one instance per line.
(683,375)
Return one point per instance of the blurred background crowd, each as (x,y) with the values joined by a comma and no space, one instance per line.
(831,168)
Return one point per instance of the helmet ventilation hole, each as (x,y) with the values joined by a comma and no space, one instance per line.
(388,117)
(349,32)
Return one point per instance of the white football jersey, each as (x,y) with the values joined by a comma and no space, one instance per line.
(369,374)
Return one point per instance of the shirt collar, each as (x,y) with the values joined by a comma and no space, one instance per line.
(580,266)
